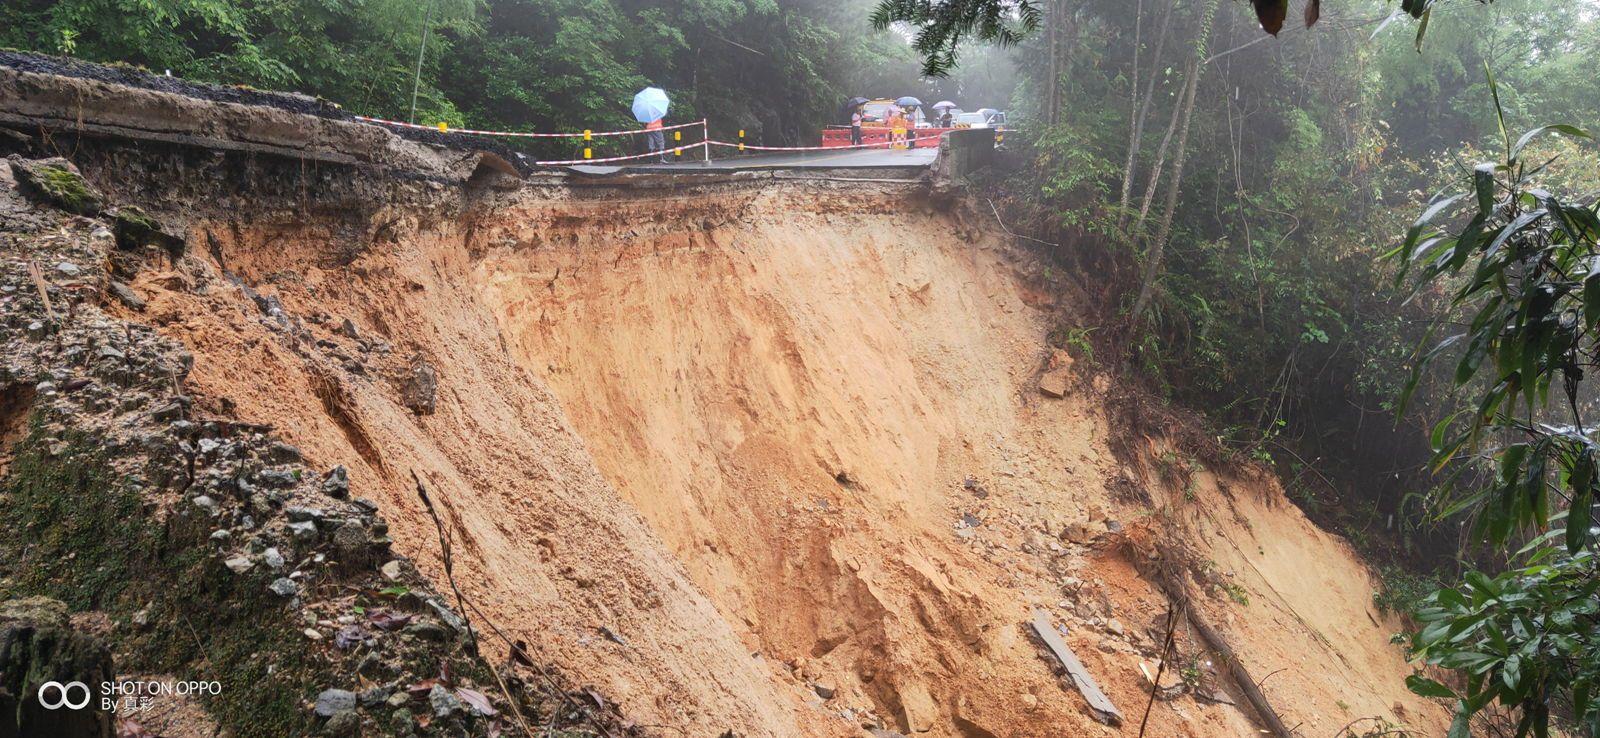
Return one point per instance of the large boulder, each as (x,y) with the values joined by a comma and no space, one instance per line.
(57,182)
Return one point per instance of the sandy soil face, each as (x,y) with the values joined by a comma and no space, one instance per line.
(786,446)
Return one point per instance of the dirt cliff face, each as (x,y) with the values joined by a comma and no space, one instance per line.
(769,458)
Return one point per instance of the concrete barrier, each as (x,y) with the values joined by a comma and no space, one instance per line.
(963,152)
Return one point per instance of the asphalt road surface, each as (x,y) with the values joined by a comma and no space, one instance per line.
(825,159)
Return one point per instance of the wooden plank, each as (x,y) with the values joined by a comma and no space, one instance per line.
(1103,710)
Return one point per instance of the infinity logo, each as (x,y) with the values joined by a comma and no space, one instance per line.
(62,694)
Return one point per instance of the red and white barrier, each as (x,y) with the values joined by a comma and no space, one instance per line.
(874,145)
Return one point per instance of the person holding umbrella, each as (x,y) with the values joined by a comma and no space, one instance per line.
(945,110)
(650,108)
(854,108)
(910,104)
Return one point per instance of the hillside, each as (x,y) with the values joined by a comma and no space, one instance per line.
(735,454)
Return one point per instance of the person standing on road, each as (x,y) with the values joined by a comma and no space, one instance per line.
(855,126)
(656,138)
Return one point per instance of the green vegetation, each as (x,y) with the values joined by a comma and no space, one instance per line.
(779,71)
(1402,590)
(1521,264)
(79,532)
(61,186)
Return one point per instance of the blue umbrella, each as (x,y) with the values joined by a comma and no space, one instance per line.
(650,105)
(908,102)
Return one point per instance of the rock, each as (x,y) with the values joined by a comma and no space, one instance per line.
(824,689)
(57,182)
(427,629)
(312,634)
(334,701)
(284,587)
(275,478)
(420,389)
(39,611)
(443,703)
(240,565)
(917,707)
(69,269)
(135,229)
(1079,533)
(127,296)
(299,514)
(398,699)
(273,558)
(460,626)
(391,571)
(337,483)
(283,453)
(1054,384)
(303,532)
(375,696)
(1115,626)
(348,328)
(1028,700)
(343,724)
(206,503)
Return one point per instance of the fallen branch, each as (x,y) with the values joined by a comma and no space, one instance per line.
(1177,589)
(515,650)
(1174,613)
(44,293)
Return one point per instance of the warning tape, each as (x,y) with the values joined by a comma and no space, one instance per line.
(664,152)
(443,128)
(878,144)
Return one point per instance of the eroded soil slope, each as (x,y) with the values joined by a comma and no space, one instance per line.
(769,458)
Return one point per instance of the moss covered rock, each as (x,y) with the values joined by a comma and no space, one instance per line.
(57,181)
(38,647)
(135,229)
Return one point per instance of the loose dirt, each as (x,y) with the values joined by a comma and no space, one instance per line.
(769,460)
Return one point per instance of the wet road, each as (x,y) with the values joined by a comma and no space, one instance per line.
(825,159)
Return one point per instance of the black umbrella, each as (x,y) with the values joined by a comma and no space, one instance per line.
(854,102)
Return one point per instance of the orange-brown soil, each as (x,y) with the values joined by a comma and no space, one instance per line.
(770,438)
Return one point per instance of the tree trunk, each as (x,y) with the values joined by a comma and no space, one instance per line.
(1053,76)
(1139,114)
(1153,259)
(1159,164)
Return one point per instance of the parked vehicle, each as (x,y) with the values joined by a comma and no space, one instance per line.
(981,118)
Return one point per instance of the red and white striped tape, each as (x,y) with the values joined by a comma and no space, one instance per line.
(519,134)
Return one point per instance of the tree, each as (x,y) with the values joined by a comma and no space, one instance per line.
(943,25)
(1523,265)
